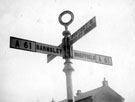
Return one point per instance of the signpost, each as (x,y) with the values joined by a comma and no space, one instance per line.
(78,34)
(65,49)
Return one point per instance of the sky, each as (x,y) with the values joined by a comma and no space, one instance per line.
(27,77)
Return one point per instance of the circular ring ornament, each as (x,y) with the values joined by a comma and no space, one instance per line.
(70,21)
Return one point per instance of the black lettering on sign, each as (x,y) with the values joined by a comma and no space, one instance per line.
(51,49)
(26,45)
(30,45)
(17,44)
(37,47)
(109,61)
(41,48)
(100,60)
(47,49)
(105,60)
(44,48)
(22,44)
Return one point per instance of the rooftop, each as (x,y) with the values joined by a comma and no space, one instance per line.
(93,92)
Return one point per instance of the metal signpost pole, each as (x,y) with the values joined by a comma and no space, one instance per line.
(68,71)
(67,54)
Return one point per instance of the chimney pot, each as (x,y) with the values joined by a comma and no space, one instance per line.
(105,83)
(78,92)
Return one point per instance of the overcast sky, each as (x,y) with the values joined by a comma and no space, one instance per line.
(26,76)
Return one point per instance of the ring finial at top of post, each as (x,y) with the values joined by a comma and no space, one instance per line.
(66,24)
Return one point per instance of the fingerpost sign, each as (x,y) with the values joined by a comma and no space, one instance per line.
(65,49)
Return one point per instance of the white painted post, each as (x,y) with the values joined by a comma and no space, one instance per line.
(68,72)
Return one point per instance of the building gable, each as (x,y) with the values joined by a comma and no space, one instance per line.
(101,94)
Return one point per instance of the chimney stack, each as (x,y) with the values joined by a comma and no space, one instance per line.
(78,92)
(105,83)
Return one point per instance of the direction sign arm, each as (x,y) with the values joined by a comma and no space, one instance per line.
(83,30)
(28,45)
(80,55)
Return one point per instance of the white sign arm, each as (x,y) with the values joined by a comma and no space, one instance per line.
(101,59)
(83,30)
